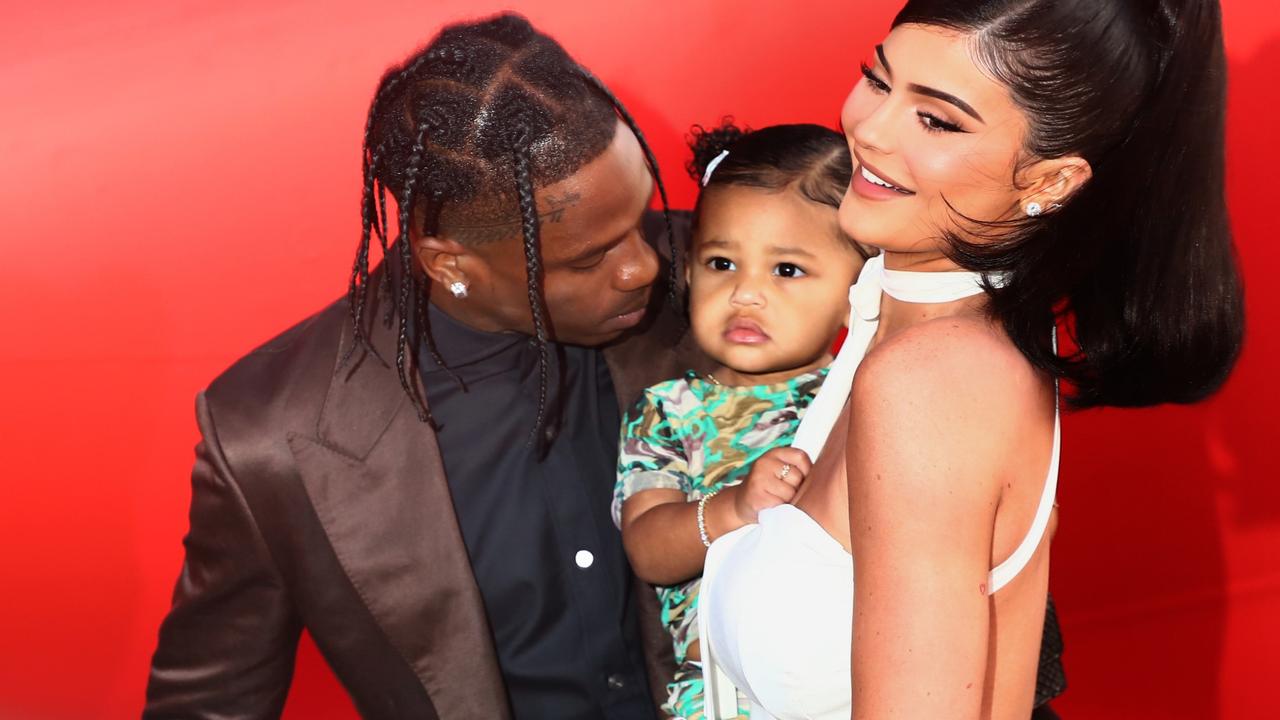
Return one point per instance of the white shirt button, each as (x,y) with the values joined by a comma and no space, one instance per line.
(584,558)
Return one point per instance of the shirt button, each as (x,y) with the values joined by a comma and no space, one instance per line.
(584,559)
(616,682)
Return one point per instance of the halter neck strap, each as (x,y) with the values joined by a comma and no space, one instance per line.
(864,319)
(929,287)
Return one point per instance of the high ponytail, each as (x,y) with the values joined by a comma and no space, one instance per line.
(1139,264)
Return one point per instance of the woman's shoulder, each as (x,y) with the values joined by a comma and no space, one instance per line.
(955,369)
(969,349)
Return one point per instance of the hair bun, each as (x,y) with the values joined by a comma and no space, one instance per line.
(708,144)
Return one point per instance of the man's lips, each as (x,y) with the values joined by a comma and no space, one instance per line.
(628,318)
(745,331)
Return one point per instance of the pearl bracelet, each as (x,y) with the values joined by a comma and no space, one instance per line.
(702,517)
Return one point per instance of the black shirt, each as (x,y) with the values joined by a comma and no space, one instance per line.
(547,558)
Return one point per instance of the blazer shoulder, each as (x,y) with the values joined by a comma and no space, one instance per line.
(277,387)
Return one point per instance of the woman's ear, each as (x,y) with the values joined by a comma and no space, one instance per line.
(1050,183)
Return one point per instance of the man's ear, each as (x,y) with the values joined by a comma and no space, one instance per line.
(442,259)
(1050,183)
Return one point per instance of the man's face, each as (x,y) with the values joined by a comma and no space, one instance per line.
(597,268)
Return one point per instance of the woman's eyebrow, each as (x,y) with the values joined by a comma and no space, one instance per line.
(931,92)
(883,60)
(947,98)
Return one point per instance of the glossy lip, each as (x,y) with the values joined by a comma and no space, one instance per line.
(745,325)
(897,187)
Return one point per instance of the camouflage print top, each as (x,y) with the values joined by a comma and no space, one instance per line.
(696,436)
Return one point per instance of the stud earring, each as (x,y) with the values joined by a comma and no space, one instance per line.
(1034,209)
(458,288)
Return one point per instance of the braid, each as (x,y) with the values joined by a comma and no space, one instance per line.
(358,287)
(408,284)
(533,267)
(673,274)
(380,195)
(431,228)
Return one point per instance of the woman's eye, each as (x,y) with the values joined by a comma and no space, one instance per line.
(933,123)
(787,270)
(875,82)
(721,264)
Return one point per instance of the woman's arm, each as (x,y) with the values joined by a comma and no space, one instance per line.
(923,453)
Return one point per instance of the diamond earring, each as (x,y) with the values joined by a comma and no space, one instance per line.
(458,288)
(1034,209)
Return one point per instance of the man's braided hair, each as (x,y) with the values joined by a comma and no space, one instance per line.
(463,131)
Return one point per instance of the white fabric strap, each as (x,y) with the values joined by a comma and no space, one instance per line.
(864,318)
(1006,571)
(932,287)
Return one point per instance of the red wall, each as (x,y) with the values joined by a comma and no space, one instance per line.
(180,182)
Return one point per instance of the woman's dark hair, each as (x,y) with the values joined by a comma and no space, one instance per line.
(1139,263)
(467,128)
(812,159)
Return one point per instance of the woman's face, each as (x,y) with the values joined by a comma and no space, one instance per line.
(927,121)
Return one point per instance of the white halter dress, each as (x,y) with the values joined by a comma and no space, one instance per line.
(792,661)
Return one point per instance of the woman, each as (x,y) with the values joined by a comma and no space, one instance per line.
(1022,164)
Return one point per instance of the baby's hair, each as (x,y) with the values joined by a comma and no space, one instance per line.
(812,159)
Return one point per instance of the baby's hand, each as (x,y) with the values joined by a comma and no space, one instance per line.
(774,479)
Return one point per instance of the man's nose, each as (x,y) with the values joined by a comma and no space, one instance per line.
(640,268)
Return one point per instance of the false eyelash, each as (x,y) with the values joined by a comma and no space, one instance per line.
(939,125)
(871,78)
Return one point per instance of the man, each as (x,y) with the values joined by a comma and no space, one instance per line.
(420,474)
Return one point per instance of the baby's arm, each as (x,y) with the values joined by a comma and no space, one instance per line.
(656,506)
(660,527)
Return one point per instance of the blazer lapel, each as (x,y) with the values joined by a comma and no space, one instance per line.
(373,473)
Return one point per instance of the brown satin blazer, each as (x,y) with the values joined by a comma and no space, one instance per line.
(319,501)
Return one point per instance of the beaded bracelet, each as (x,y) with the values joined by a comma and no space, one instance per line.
(702,517)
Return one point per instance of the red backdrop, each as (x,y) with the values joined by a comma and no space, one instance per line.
(180,182)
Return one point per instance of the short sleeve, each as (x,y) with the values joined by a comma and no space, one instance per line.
(650,454)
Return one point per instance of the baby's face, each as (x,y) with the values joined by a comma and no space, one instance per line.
(769,279)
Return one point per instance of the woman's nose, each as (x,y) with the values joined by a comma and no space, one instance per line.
(875,131)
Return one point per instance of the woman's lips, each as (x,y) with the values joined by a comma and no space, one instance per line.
(873,184)
(745,332)
(870,190)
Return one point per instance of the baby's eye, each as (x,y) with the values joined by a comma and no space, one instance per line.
(788,270)
(721,264)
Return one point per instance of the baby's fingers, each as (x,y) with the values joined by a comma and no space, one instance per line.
(791,473)
(780,490)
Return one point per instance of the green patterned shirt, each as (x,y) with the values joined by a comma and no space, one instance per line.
(697,437)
